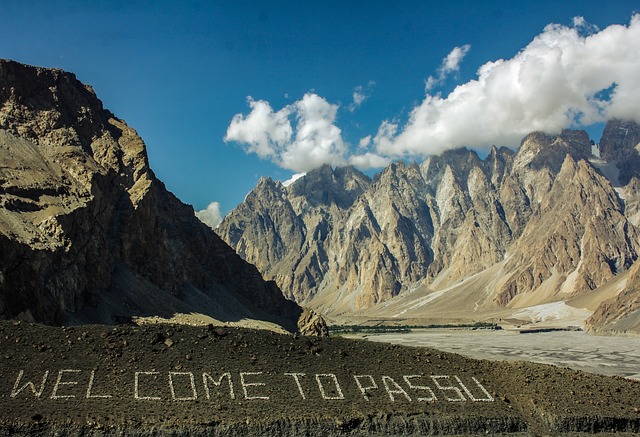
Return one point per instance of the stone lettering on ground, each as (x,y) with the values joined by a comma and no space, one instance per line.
(185,386)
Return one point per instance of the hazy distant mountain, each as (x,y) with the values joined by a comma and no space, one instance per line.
(89,234)
(456,236)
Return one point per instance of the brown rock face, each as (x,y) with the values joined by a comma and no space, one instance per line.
(89,234)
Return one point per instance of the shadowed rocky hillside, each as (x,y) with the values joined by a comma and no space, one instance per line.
(89,234)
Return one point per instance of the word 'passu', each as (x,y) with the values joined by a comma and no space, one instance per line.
(259,386)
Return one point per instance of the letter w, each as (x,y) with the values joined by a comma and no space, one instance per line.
(37,393)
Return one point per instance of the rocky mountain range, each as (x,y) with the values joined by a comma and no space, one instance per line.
(89,234)
(551,226)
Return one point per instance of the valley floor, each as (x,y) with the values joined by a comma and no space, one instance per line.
(619,356)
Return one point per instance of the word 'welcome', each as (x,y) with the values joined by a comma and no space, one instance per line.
(189,386)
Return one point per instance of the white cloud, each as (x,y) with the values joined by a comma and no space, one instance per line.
(318,140)
(358,97)
(364,142)
(210,216)
(369,160)
(582,25)
(450,64)
(270,134)
(360,94)
(551,84)
(384,138)
(263,131)
(565,77)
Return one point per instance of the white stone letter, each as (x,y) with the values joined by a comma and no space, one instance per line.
(136,385)
(335,382)
(192,381)
(363,389)
(296,377)
(90,387)
(248,384)
(37,393)
(460,397)
(489,398)
(408,378)
(206,378)
(54,394)
(396,391)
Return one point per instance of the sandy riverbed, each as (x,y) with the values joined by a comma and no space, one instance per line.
(597,354)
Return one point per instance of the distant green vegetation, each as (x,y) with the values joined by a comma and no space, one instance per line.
(388,329)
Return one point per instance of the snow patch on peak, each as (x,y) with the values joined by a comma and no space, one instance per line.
(293,178)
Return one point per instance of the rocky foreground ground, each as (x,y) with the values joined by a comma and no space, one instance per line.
(192,381)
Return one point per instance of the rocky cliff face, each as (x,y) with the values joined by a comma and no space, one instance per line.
(551,221)
(284,229)
(620,314)
(620,145)
(89,234)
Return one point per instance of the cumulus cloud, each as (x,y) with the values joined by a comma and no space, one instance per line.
(318,140)
(210,216)
(263,131)
(385,136)
(556,81)
(450,64)
(315,139)
(369,160)
(565,77)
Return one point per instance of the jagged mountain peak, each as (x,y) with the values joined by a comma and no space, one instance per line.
(619,139)
(498,162)
(620,145)
(267,183)
(539,150)
(397,170)
(501,153)
(458,162)
(326,186)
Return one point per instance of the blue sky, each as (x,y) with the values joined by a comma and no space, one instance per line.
(343,71)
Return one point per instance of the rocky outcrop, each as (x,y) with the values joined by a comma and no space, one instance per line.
(312,324)
(551,220)
(89,234)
